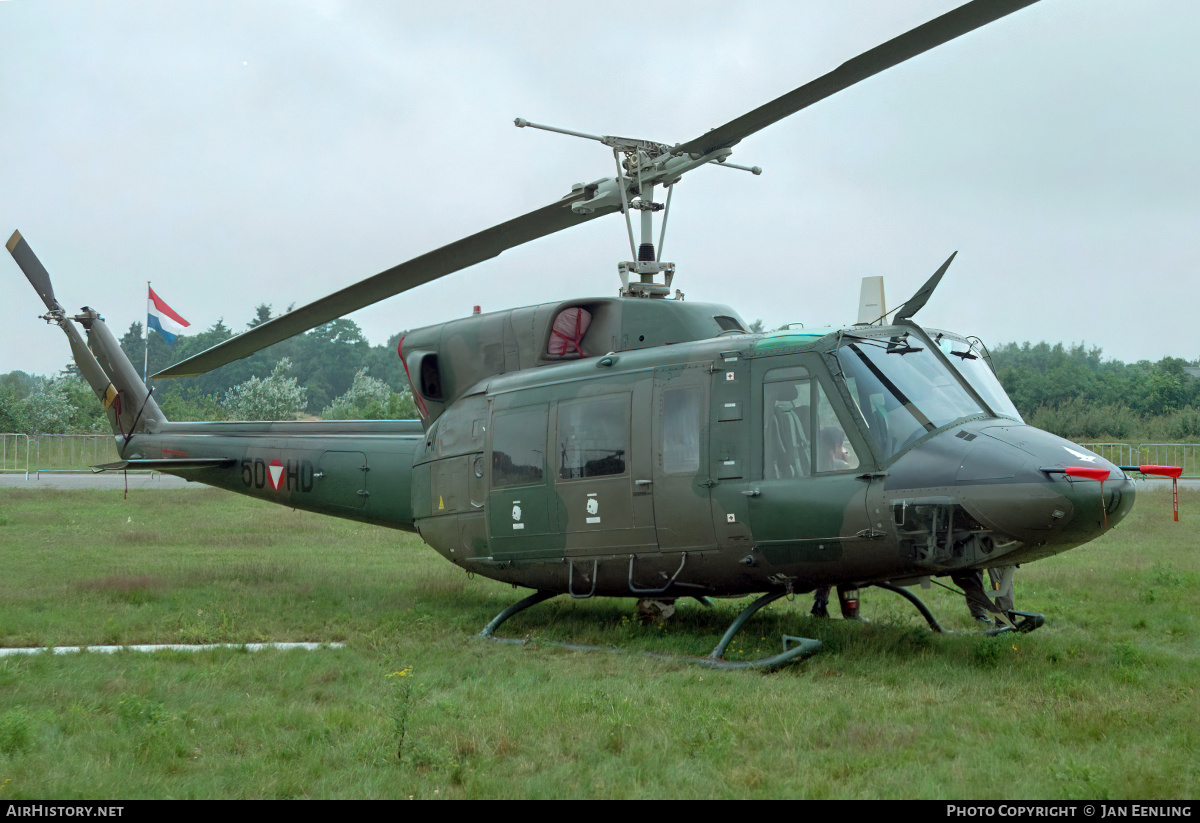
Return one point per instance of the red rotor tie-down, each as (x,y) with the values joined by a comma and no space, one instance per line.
(1087,472)
(1090,473)
(1165,471)
(1172,472)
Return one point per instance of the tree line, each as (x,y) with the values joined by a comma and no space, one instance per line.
(1075,393)
(331,372)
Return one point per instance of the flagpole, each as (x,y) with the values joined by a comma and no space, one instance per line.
(146,358)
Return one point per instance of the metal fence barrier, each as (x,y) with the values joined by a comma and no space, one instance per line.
(1186,455)
(58,453)
(14,453)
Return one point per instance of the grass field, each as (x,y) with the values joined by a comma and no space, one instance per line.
(1100,703)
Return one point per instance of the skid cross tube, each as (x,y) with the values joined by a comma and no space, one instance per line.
(916,601)
(794,648)
(490,629)
(1029,620)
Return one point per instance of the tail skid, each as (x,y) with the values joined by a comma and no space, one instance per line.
(103,364)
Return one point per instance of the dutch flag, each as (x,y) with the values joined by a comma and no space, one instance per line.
(163,319)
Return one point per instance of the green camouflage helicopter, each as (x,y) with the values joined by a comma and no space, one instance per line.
(648,447)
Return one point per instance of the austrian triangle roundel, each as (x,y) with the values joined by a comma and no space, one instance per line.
(275,473)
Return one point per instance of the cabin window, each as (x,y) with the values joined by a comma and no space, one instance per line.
(519,447)
(593,437)
(683,411)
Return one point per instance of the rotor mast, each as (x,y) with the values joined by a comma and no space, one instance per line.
(641,165)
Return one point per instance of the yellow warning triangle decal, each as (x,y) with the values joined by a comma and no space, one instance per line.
(441,505)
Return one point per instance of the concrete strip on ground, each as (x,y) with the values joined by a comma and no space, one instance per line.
(171,647)
(96,480)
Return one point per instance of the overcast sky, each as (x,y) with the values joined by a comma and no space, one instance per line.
(237,153)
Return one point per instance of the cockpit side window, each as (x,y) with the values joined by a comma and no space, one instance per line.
(787,429)
(802,433)
(834,452)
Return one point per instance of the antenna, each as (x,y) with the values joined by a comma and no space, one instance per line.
(871,303)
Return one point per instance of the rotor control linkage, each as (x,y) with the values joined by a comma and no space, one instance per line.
(629,144)
(641,165)
(650,163)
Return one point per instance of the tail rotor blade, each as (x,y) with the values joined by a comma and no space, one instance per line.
(39,278)
(34,271)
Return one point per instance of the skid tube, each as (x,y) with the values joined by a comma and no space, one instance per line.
(1028,622)
(794,648)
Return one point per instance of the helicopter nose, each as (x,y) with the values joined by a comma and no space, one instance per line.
(1005,486)
(1047,492)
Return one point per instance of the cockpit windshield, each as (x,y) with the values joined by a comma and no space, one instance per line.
(969,358)
(902,389)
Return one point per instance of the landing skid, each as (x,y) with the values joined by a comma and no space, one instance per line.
(1028,622)
(794,648)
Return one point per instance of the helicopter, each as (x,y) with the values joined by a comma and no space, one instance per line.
(647,446)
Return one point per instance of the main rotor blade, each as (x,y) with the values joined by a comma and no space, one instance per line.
(924,37)
(451,258)
(34,271)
